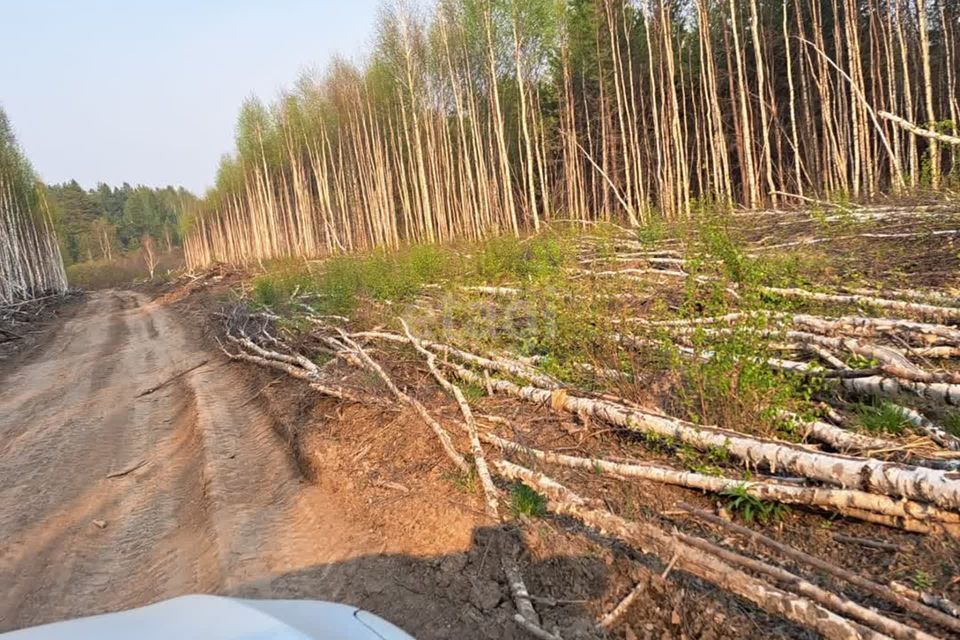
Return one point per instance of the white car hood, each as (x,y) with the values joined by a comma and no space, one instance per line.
(203,617)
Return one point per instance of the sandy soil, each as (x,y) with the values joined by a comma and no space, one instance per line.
(217,505)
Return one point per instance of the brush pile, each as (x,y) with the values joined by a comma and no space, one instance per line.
(18,320)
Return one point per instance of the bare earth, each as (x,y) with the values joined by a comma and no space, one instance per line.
(216,505)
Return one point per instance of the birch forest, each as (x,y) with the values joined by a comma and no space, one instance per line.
(30,263)
(556,319)
(474,117)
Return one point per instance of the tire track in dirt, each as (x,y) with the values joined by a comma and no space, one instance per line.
(217,506)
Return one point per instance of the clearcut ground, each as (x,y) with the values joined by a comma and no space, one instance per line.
(211,500)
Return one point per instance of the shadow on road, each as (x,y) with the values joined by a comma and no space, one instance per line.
(459,595)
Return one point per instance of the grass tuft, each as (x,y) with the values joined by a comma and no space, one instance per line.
(467,482)
(750,508)
(341,282)
(881,417)
(951,422)
(921,580)
(527,502)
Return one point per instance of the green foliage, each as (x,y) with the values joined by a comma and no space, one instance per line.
(729,382)
(788,269)
(652,231)
(556,317)
(341,282)
(467,482)
(706,469)
(400,276)
(472,392)
(951,422)
(719,455)
(708,462)
(857,361)
(546,320)
(921,580)
(750,508)
(881,417)
(97,223)
(946,127)
(280,283)
(660,443)
(524,501)
(727,379)
(563,334)
(720,245)
(785,268)
(508,259)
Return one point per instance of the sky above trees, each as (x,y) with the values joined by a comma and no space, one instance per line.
(148,92)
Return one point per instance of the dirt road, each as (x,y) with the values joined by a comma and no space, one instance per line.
(214,504)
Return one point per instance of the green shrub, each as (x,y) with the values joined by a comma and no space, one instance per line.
(508,259)
(338,285)
(652,231)
(280,283)
(921,580)
(718,244)
(729,381)
(467,481)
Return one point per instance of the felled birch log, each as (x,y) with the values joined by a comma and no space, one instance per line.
(701,563)
(902,514)
(927,311)
(865,474)
(874,588)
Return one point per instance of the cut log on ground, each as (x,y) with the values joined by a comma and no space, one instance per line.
(867,327)
(503,365)
(902,514)
(927,311)
(874,588)
(865,474)
(700,563)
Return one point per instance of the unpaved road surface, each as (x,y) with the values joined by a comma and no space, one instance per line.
(215,505)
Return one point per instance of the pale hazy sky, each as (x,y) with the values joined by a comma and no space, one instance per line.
(147,91)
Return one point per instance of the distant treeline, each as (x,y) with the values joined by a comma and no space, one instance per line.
(477,116)
(98,223)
